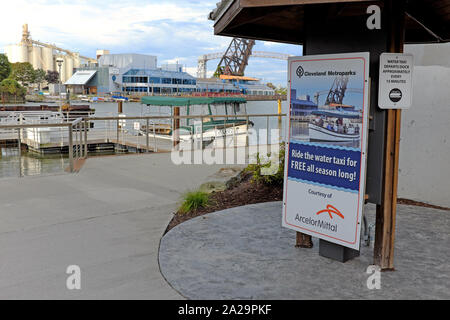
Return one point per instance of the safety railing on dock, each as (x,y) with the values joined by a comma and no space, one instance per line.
(144,133)
(141,134)
(43,136)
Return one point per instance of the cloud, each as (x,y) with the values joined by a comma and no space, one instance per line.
(173,30)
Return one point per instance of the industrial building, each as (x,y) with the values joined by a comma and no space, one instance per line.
(105,76)
(137,73)
(302,105)
(234,84)
(158,81)
(45,56)
(125,73)
(130,73)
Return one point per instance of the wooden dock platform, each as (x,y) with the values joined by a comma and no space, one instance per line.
(98,141)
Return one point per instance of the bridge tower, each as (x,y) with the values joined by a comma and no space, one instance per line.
(235,59)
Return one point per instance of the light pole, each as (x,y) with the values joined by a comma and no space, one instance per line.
(59,61)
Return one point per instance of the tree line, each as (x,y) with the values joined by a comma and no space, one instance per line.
(17,78)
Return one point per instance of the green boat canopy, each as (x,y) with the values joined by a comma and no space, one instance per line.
(178,102)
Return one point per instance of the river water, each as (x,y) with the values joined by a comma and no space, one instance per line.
(32,164)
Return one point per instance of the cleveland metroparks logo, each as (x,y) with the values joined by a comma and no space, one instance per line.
(300,72)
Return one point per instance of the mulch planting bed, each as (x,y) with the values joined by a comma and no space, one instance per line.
(245,191)
(242,193)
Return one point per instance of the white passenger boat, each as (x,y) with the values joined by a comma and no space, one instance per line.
(220,130)
(348,132)
(317,133)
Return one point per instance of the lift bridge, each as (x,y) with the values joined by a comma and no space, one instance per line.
(234,60)
(337,91)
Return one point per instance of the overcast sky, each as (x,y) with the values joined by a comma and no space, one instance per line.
(173,30)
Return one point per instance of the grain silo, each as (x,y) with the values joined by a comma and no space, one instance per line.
(36,57)
(76,60)
(43,55)
(48,62)
(12,52)
(69,66)
(23,53)
(61,67)
(17,53)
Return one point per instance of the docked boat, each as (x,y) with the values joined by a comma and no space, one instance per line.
(119,98)
(69,111)
(233,129)
(335,126)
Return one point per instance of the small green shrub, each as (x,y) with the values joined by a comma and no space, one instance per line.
(193,200)
(269,172)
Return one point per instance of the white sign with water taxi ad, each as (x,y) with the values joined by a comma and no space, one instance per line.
(325,165)
(395,85)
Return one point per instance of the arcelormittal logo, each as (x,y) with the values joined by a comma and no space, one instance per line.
(331,210)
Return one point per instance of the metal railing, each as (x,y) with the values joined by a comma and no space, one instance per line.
(31,134)
(115,126)
(75,137)
(78,143)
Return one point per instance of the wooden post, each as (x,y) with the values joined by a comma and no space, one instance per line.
(119,106)
(280,121)
(386,212)
(303,241)
(176,126)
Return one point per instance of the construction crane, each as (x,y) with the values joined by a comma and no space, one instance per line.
(202,69)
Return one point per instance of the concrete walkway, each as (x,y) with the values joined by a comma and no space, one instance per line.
(243,253)
(108,219)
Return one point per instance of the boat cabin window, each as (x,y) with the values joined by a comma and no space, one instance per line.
(199,110)
(231,110)
(240,109)
(183,112)
(163,110)
(218,109)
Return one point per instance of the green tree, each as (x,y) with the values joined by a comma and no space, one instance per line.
(39,77)
(52,76)
(23,73)
(10,87)
(271,86)
(5,67)
(281,90)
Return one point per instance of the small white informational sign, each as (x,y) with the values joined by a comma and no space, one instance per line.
(395,86)
(115,71)
(137,125)
(325,166)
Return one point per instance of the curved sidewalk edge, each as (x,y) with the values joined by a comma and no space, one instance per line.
(244,253)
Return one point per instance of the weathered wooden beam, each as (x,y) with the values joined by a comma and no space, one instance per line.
(272,3)
(227,17)
(258,32)
(427,17)
(386,212)
(176,126)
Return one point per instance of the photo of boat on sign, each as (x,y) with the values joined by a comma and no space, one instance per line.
(326,106)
